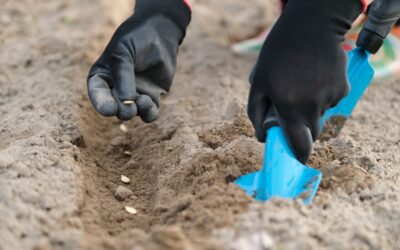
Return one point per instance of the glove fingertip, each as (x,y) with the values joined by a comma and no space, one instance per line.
(101,97)
(300,140)
(151,116)
(127,112)
(107,108)
(147,109)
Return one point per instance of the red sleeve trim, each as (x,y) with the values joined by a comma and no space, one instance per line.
(364,3)
(188,4)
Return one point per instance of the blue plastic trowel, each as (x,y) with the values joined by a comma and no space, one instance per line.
(282,175)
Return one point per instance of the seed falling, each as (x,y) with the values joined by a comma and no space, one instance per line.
(131,210)
(125,179)
(128,102)
(123,128)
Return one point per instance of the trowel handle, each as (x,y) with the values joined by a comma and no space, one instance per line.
(275,134)
(382,15)
(271,120)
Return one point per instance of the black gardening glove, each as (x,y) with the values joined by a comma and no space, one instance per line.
(139,63)
(301,70)
(382,15)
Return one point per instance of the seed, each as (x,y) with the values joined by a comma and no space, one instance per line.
(125,179)
(127,153)
(123,128)
(131,210)
(128,102)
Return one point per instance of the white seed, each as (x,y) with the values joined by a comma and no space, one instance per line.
(125,179)
(128,102)
(127,153)
(123,128)
(131,210)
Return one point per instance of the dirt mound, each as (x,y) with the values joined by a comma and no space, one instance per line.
(340,171)
(61,163)
(195,193)
(227,132)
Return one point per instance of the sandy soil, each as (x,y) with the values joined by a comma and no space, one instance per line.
(60,163)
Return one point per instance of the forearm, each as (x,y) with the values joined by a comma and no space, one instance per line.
(187,2)
(365,4)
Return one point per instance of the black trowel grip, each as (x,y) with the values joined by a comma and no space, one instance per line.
(271,120)
(382,15)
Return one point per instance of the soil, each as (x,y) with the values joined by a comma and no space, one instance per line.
(61,163)
(332,128)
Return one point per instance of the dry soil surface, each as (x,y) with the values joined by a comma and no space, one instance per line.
(61,163)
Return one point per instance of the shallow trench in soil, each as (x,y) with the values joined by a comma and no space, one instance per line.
(61,163)
(181,168)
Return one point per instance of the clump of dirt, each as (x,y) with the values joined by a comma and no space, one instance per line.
(61,163)
(332,128)
(227,132)
(196,193)
(350,178)
(322,155)
(339,171)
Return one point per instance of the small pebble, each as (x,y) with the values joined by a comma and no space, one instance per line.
(65,138)
(54,159)
(131,210)
(66,145)
(122,193)
(123,128)
(258,240)
(116,141)
(131,164)
(6,160)
(125,179)
(21,169)
(42,244)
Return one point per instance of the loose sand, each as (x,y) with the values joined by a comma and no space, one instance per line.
(61,163)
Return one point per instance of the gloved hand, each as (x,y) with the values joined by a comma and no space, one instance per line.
(139,63)
(301,70)
(382,15)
